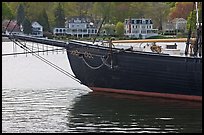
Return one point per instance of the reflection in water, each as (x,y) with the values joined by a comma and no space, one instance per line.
(105,112)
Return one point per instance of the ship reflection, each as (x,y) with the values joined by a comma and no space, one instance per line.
(105,112)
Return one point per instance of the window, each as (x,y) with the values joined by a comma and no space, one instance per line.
(132,21)
(143,31)
(84,30)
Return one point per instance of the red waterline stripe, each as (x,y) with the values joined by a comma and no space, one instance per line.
(150,94)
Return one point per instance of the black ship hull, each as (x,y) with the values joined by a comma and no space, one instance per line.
(133,72)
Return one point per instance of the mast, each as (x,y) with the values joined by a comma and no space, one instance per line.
(198,44)
(189,33)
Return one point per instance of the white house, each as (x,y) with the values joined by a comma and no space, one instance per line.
(77,26)
(179,23)
(175,24)
(60,31)
(139,28)
(37,29)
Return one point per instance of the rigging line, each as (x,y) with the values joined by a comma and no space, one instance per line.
(99,30)
(48,62)
(53,65)
(40,47)
(6,54)
(61,48)
(17,22)
(189,33)
(8,25)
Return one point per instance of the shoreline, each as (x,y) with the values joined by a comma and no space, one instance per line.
(5,39)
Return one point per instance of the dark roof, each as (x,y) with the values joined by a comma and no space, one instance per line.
(138,21)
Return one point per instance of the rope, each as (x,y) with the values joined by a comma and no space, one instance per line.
(103,63)
(47,62)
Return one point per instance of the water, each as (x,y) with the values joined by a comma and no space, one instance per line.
(37,98)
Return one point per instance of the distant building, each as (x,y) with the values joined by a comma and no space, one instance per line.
(77,26)
(60,31)
(11,27)
(177,24)
(37,29)
(139,28)
(168,28)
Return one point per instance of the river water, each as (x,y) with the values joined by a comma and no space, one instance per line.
(39,99)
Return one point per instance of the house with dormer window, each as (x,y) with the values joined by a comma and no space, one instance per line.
(78,26)
(139,28)
(81,26)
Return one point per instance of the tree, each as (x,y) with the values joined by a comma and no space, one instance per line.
(171,4)
(158,12)
(109,29)
(138,9)
(20,14)
(103,10)
(181,10)
(6,11)
(119,29)
(27,28)
(43,20)
(192,19)
(59,16)
(121,11)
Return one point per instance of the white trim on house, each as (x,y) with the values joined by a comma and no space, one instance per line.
(139,28)
(175,24)
(77,27)
(179,23)
(37,29)
(13,32)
